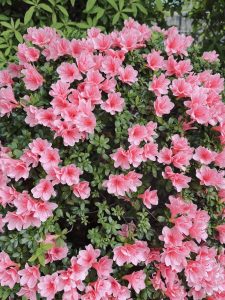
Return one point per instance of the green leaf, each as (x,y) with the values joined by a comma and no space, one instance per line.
(5,24)
(72,2)
(90,4)
(18,36)
(100,13)
(159,5)
(142,8)
(82,25)
(113,4)
(121,4)
(29,14)
(63,10)
(45,7)
(116,18)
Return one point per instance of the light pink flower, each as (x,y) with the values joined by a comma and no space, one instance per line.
(114,103)
(29,276)
(120,158)
(210,56)
(155,60)
(70,174)
(68,72)
(137,134)
(163,106)
(159,85)
(103,267)
(44,190)
(33,80)
(49,285)
(136,280)
(149,198)
(82,190)
(204,155)
(221,230)
(88,257)
(128,75)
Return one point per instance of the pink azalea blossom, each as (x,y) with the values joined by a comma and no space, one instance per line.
(136,280)
(88,257)
(33,80)
(113,104)
(149,198)
(159,85)
(82,190)
(128,75)
(163,106)
(29,276)
(44,190)
(68,72)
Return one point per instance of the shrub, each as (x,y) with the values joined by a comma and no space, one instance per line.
(112,157)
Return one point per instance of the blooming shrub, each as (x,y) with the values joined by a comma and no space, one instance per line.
(112,156)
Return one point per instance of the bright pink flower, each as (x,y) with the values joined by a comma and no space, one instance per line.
(68,72)
(163,106)
(179,180)
(27,54)
(86,122)
(136,280)
(128,75)
(150,151)
(177,43)
(134,154)
(210,56)
(113,104)
(44,190)
(9,277)
(50,158)
(137,134)
(165,156)
(133,181)
(88,257)
(82,190)
(7,101)
(29,293)
(18,170)
(149,198)
(159,85)
(33,80)
(207,176)
(175,257)
(14,221)
(70,175)
(120,158)
(38,146)
(5,78)
(204,155)
(171,237)
(29,276)
(181,88)
(198,230)
(155,60)
(56,253)
(103,267)
(117,185)
(49,285)
(44,209)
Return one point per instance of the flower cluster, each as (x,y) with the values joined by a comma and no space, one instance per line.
(140,121)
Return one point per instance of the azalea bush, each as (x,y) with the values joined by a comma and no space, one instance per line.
(111,162)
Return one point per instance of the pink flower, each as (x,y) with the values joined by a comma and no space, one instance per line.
(179,180)
(171,237)
(14,220)
(165,156)
(159,85)
(29,276)
(49,285)
(43,190)
(149,198)
(33,80)
(43,210)
(113,104)
(68,72)
(103,267)
(134,155)
(18,170)
(120,158)
(9,277)
(50,158)
(221,230)
(116,184)
(155,60)
(177,43)
(86,122)
(7,101)
(70,175)
(137,134)
(86,258)
(82,190)
(210,56)
(163,106)
(150,151)
(181,88)
(128,75)
(204,155)
(27,292)
(136,280)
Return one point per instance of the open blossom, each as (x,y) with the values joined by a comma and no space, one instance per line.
(33,80)
(204,155)
(49,285)
(29,276)
(136,280)
(221,231)
(128,75)
(149,198)
(70,174)
(68,72)
(163,106)
(120,158)
(44,190)
(210,56)
(82,190)
(159,85)
(154,60)
(117,185)
(137,134)
(114,103)
(179,180)
(88,257)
